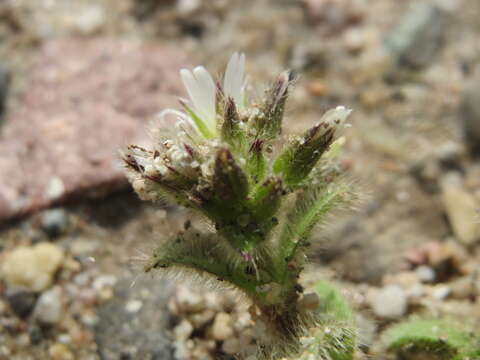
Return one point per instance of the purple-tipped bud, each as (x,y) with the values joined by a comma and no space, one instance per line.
(269,123)
(302,154)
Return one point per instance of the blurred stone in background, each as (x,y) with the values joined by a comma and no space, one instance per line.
(85,99)
(420,35)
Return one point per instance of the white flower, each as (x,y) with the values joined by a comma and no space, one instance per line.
(233,80)
(201,89)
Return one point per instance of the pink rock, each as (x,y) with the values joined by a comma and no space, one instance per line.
(84,101)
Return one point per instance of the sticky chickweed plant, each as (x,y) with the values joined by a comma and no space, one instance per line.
(224,157)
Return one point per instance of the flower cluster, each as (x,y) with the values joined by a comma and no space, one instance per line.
(216,126)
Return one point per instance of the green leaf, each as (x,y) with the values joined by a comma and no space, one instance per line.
(207,255)
(334,337)
(310,208)
(443,338)
(332,302)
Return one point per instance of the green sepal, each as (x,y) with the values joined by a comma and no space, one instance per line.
(202,127)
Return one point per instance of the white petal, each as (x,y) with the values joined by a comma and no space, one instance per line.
(335,118)
(190,84)
(240,79)
(228,79)
(234,78)
(179,114)
(207,90)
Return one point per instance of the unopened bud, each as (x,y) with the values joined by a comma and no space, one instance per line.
(269,125)
(229,181)
(231,124)
(302,154)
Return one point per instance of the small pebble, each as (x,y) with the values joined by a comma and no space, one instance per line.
(425,273)
(463,288)
(221,328)
(441,292)
(54,222)
(49,309)
(90,20)
(231,346)
(22,302)
(389,302)
(104,281)
(60,352)
(183,330)
(32,268)
(461,209)
(133,306)
(188,301)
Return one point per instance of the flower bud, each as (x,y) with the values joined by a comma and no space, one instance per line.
(229,181)
(302,154)
(266,199)
(231,132)
(269,123)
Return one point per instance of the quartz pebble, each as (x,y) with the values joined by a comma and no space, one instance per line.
(33,267)
(183,330)
(222,329)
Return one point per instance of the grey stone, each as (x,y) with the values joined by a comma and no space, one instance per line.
(470,115)
(141,334)
(419,36)
(54,222)
(48,309)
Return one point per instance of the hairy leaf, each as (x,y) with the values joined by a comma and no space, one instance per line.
(446,339)
(310,208)
(209,255)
